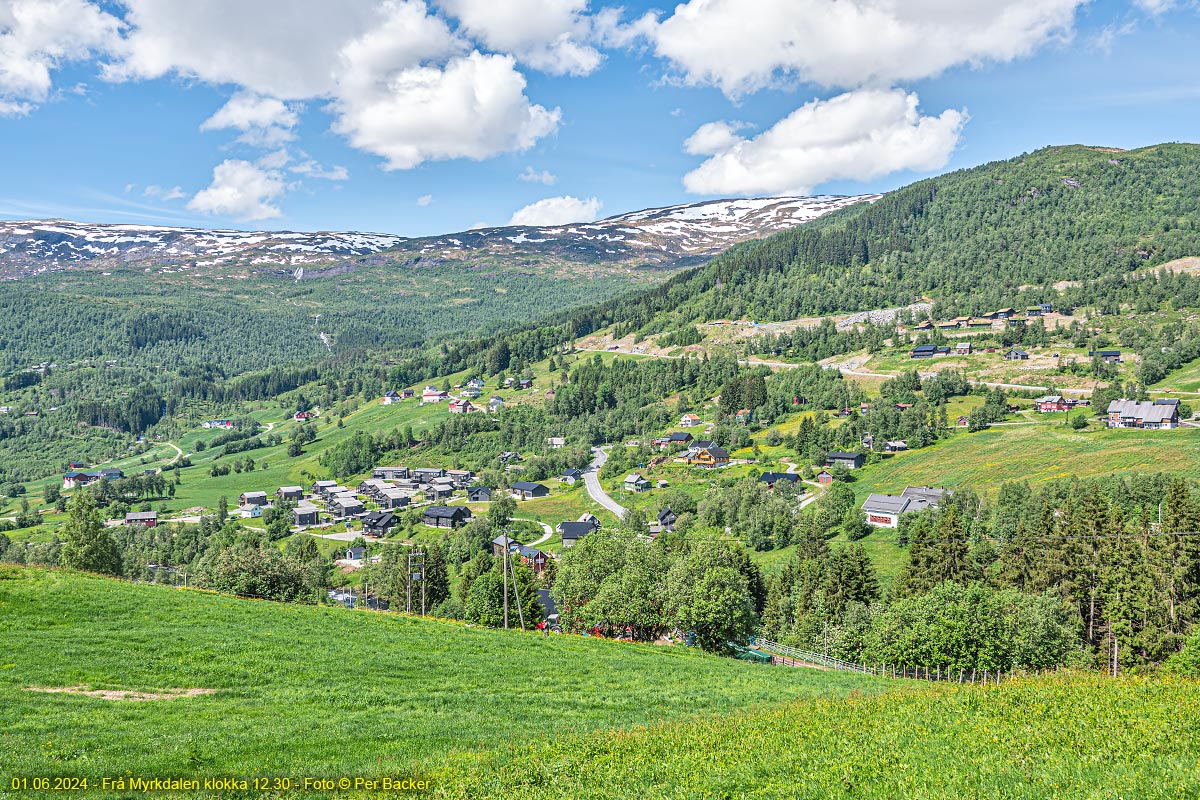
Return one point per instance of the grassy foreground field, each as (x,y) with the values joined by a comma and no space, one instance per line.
(321,691)
(303,691)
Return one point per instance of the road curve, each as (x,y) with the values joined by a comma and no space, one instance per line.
(591,480)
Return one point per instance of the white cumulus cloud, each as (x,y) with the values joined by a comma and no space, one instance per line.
(39,36)
(473,108)
(558,211)
(859,135)
(549,35)
(242,190)
(424,200)
(531,175)
(263,121)
(742,46)
(714,137)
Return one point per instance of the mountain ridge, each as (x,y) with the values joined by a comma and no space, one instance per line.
(665,236)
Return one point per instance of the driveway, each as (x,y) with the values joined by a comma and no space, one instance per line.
(591,480)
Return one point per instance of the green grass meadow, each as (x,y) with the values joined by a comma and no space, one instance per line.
(328,692)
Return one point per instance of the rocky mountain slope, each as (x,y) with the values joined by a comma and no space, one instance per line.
(658,237)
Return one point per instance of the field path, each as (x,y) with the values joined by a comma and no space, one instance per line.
(591,480)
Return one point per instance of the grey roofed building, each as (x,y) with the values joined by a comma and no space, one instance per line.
(479,494)
(446,516)
(885,504)
(1143,414)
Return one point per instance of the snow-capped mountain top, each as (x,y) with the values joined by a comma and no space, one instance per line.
(659,236)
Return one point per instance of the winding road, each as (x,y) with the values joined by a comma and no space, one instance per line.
(591,480)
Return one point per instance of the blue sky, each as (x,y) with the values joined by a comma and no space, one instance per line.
(413,118)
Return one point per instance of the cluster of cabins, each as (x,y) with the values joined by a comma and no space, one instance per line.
(696,452)
(924,351)
(1052,403)
(460,403)
(999,318)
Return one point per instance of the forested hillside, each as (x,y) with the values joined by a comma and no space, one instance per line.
(1003,234)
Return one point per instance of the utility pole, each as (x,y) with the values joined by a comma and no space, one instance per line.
(517,592)
(416,572)
(504,574)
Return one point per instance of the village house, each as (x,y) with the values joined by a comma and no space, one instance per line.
(689,421)
(436,492)
(446,516)
(393,498)
(495,404)
(708,456)
(345,506)
(1107,356)
(531,557)
(634,482)
(1149,414)
(962,349)
(674,439)
(408,394)
(372,487)
(304,416)
(252,512)
(572,532)
(148,519)
(379,523)
(320,487)
(824,478)
(389,397)
(432,394)
(962,421)
(471,392)
(772,478)
(570,476)
(252,499)
(848,460)
(306,515)
(290,493)
(895,446)
(501,543)
(1016,354)
(475,383)
(923,351)
(743,416)
(667,519)
(226,424)
(527,490)
(390,473)
(884,510)
(427,474)
(525,383)
(556,443)
(461,406)
(1052,403)
(479,494)
(460,477)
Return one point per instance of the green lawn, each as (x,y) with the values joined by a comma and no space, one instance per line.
(1063,737)
(323,690)
(1037,453)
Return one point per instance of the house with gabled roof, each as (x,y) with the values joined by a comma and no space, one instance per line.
(572,532)
(432,394)
(848,460)
(634,482)
(389,397)
(570,476)
(689,421)
(446,516)
(527,490)
(710,456)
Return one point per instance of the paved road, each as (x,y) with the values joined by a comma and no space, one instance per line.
(591,480)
